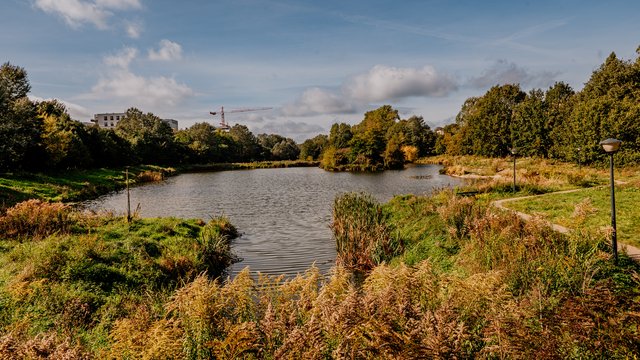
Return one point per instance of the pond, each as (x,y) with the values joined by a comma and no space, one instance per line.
(283,214)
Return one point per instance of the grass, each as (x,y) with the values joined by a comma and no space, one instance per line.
(73,185)
(588,209)
(65,282)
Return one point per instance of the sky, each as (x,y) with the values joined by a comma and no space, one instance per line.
(313,63)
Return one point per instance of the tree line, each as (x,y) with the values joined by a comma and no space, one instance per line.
(38,135)
(557,123)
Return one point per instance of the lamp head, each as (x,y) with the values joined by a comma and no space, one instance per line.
(610,145)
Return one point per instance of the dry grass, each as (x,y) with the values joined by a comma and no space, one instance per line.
(363,237)
(36,219)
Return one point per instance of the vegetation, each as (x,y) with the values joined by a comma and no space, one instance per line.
(39,136)
(67,278)
(363,237)
(381,141)
(73,185)
(473,282)
(558,123)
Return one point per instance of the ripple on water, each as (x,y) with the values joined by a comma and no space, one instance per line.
(283,214)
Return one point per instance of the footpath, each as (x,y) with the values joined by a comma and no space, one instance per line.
(632,251)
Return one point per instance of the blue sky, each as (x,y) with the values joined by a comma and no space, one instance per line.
(313,62)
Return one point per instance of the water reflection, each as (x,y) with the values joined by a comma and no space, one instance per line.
(283,214)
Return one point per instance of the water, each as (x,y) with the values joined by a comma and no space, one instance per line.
(283,214)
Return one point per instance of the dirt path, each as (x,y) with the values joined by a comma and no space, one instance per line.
(632,251)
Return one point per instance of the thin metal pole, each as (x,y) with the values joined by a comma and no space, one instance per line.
(614,239)
(514,172)
(126,172)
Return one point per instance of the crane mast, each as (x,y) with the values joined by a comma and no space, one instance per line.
(223,124)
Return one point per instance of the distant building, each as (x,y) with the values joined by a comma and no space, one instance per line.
(439,130)
(108,120)
(111,120)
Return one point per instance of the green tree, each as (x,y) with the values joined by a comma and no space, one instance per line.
(286,149)
(151,138)
(63,138)
(203,141)
(15,81)
(486,122)
(246,145)
(311,149)
(340,135)
(20,129)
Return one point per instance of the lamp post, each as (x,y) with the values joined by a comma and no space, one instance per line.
(514,152)
(611,146)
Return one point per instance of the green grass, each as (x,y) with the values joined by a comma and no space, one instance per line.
(593,213)
(68,186)
(79,281)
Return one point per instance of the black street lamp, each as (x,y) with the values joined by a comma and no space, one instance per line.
(611,146)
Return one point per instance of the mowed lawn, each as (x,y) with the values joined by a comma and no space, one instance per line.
(588,209)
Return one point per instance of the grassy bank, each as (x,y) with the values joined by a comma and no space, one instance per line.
(73,185)
(68,278)
(473,282)
(588,208)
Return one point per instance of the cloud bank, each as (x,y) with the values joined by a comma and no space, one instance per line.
(380,83)
(504,72)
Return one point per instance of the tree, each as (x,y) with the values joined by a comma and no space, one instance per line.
(287,149)
(63,138)
(151,138)
(311,149)
(16,81)
(20,129)
(340,135)
(486,122)
(245,143)
(203,141)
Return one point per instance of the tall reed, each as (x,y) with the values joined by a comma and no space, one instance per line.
(363,237)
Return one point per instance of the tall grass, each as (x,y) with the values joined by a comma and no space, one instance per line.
(363,237)
(512,290)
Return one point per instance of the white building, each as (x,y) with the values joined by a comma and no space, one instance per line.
(110,120)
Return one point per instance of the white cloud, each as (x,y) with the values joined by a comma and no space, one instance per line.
(152,91)
(78,12)
(119,4)
(168,51)
(122,59)
(384,83)
(318,101)
(381,83)
(298,131)
(504,72)
(121,83)
(134,29)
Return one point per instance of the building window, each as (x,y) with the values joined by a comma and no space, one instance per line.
(111,117)
(117,117)
(105,117)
